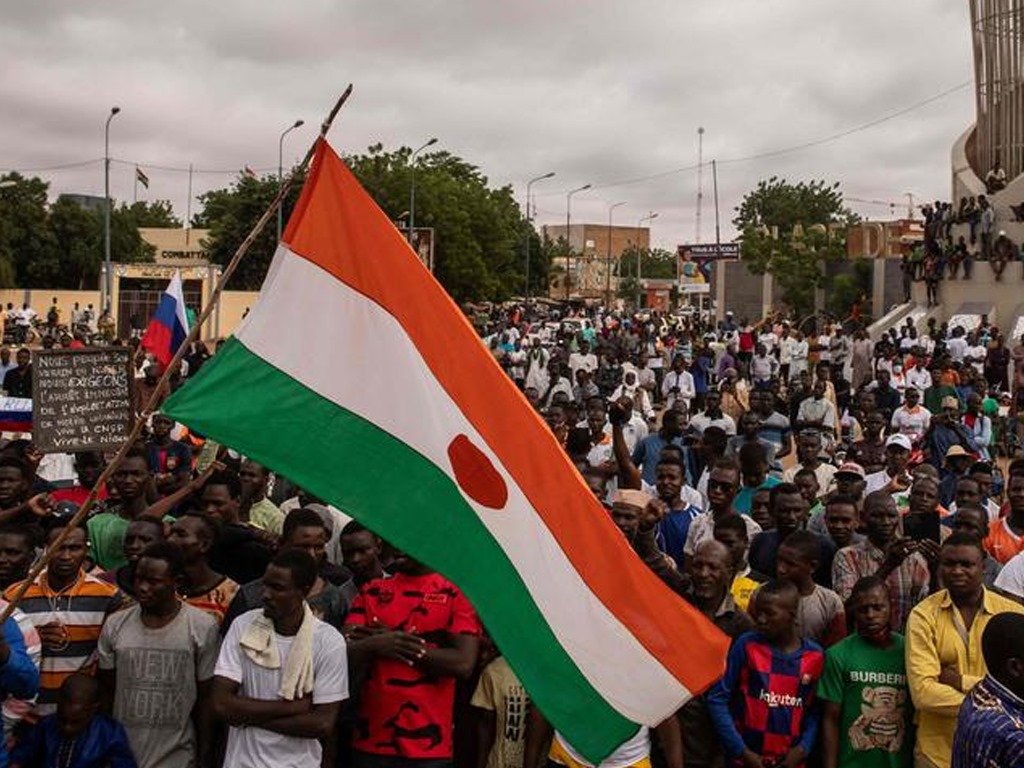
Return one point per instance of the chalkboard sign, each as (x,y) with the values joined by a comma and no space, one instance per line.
(82,399)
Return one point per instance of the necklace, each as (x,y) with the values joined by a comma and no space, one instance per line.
(66,752)
(54,602)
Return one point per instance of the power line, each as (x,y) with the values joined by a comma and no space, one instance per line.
(604,185)
(60,167)
(786,150)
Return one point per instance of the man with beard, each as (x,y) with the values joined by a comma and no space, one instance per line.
(278,717)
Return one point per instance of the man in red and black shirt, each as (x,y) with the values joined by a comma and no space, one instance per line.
(417,633)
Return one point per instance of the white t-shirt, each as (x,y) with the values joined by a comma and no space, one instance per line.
(631,752)
(579,361)
(912,423)
(702,529)
(254,747)
(825,353)
(1011,578)
(957,348)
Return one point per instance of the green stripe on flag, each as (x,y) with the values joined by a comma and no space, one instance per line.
(242,401)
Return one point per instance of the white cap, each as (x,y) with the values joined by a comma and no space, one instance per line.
(901,440)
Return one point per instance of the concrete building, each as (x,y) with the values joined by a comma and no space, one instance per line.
(177,246)
(595,249)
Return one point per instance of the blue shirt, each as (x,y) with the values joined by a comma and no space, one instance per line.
(672,531)
(19,677)
(745,497)
(988,730)
(103,744)
(647,453)
(766,699)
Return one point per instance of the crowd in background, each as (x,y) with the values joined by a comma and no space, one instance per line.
(849,511)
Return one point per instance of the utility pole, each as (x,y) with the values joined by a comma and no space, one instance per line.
(700,180)
(529,231)
(608,267)
(108,278)
(649,217)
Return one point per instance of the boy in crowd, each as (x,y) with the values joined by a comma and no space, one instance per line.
(820,615)
(764,708)
(867,712)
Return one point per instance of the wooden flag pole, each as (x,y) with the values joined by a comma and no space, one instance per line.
(193,334)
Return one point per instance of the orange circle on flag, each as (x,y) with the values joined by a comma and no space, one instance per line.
(476,475)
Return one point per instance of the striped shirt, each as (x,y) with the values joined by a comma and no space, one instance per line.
(81,608)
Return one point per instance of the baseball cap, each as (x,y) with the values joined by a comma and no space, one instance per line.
(901,441)
(950,402)
(851,468)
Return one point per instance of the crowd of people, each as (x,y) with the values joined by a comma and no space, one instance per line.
(848,511)
(949,251)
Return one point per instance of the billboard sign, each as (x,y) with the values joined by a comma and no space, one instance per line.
(696,263)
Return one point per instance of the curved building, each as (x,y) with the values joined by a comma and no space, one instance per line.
(998,31)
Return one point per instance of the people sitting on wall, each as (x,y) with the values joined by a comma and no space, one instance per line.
(995,179)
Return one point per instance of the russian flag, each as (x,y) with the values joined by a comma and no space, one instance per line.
(15,414)
(169,325)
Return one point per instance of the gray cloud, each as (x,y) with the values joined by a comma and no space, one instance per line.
(597,92)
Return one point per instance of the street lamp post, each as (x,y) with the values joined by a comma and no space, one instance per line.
(608,266)
(412,187)
(649,217)
(280,172)
(568,241)
(529,184)
(108,278)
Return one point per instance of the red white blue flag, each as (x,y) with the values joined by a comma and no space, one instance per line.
(169,325)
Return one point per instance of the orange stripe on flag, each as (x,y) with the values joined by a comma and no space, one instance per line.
(337,226)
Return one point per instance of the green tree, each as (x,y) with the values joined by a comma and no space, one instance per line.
(231,213)
(25,238)
(790,230)
(156,214)
(78,236)
(479,231)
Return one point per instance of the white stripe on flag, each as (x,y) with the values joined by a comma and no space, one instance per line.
(373,369)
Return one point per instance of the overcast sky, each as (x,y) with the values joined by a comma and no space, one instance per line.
(595,91)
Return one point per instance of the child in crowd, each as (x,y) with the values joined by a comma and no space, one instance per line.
(764,708)
(867,719)
(820,615)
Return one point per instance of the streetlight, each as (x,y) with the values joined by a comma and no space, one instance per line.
(649,217)
(280,172)
(608,267)
(530,183)
(412,186)
(568,242)
(108,281)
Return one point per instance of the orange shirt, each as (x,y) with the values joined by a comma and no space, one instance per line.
(1002,543)
(215,601)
